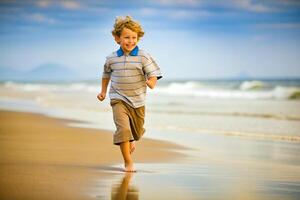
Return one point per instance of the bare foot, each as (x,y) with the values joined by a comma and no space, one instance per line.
(129,168)
(132,146)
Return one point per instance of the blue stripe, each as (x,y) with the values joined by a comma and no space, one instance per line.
(145,57)
(144,86)
(153,71)
(126,62)
(130,95)
(147,65)
(128,82)
(124,69)
(129,76)
(132,102)
(108,58)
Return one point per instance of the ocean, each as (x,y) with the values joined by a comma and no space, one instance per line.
(268,109)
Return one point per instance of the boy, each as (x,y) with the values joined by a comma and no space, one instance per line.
(130,71)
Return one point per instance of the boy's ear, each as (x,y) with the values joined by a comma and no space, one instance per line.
(117,39)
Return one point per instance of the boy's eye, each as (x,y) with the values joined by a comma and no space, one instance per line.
(127,37)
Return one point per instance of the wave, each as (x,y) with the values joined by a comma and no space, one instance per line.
(70,87)
(244,134)
(252,85)
(234,114)
(85,87)
(186,86)
(286,92)
(261,136)
(221,90)
(24,86)
(247,91)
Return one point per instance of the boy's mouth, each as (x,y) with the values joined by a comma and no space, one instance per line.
(129,46)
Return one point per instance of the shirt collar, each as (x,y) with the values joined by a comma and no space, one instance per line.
(134,52)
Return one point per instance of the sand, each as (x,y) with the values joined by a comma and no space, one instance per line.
(44,158)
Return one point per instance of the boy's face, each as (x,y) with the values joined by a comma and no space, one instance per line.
(127,40)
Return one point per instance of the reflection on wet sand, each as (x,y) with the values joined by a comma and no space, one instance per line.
(123,189)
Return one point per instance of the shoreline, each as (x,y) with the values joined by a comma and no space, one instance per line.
(44,158)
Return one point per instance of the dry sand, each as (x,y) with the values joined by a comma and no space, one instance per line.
(43,158)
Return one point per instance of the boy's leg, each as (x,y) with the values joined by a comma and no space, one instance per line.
(125,149)
(132,146)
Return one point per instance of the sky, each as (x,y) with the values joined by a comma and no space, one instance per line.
(189,39)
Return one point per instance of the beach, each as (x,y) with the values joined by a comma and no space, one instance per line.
(201,142)
(43,158)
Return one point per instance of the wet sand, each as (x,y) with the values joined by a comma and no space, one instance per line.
(44,158)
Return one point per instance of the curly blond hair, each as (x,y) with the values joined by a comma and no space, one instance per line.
(127,22)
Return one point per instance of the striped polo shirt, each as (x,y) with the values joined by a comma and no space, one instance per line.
(128,75)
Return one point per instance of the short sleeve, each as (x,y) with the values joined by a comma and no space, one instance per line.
(106,70)
(150,68)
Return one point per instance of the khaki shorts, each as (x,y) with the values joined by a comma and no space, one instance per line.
(129,121)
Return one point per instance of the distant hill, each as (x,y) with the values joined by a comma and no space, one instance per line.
(242,75)
(51,72)
(45,72)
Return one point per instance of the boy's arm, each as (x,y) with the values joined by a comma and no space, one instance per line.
(101,96)
(151,82)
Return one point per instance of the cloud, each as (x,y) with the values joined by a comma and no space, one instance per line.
(288,2)
(278,26)
(178,2)
(43,3)
(38,17)
(68,4)
(175,13)
(188,14)
(259,38)
(149,11)
(249,5)
(246,5)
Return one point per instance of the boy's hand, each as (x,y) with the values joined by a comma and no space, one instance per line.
(151,82)
(101,96)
